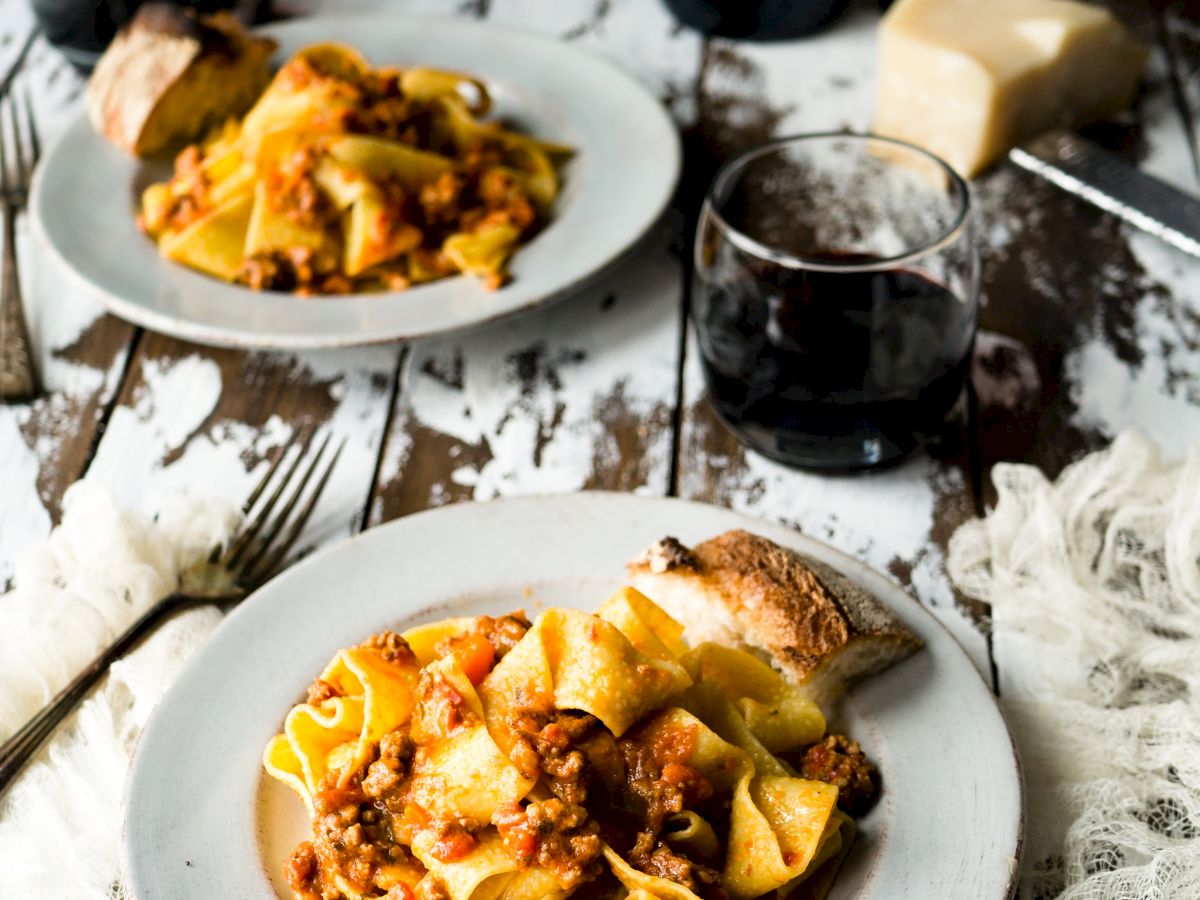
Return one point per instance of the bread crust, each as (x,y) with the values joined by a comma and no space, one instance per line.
(147,67)
(811,621)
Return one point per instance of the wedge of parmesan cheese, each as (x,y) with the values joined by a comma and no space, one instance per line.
(970,79)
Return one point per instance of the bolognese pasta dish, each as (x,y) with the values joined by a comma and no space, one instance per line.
(345,178)
(583,755)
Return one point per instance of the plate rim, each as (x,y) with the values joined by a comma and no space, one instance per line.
(842,561)
(207,334)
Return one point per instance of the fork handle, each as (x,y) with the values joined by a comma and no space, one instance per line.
(18,749)
(18,376)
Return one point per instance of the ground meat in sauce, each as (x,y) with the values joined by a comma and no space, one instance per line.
(839,761)
(546,745)
(454,839)
(319,691)
(659,782)
(298,269)
(352,838)
(352,824)
(442,710)
(504,631)
(383,775)
(555,835)
(657,859)
(633,783)
(392,647)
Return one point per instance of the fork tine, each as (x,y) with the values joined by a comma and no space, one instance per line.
(35,143)
(17,63)
(215,556)
(271,470)
(18,153)
(243,541)
(265,567)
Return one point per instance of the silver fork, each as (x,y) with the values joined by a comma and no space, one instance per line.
(18,374)
(254,555)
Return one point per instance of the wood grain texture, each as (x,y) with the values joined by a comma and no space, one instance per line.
(578,395)
(198,419)
(81,351)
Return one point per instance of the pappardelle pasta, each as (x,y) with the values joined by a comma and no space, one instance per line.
(345,178)
(578,755)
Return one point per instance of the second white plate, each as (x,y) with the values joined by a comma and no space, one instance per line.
(619,181)
(202,822)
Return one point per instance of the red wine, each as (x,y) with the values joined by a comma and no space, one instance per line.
(819,368)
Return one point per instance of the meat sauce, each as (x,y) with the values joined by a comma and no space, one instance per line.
(592,789)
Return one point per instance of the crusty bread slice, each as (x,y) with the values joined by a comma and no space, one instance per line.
(170,75)
(809,621)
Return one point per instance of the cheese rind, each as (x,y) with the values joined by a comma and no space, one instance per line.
(969,79)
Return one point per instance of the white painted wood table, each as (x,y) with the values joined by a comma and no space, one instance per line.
(1088,328)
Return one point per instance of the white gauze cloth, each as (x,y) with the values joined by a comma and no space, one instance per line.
(60,823)
(1094,583)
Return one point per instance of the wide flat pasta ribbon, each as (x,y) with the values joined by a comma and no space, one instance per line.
(372,696)
(481,874)
(575,661)
(708,701)
(639,884)
(464,774)
(488,872)
(778,713)
(647,625)
(691,833)
(723,764)
(777,828)
(817,880)
(423,640)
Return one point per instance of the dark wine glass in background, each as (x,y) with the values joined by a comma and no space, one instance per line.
(81,29)
(835,297)
(763,20)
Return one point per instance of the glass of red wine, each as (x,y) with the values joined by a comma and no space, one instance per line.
(835,297)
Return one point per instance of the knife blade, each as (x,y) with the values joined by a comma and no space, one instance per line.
(1087,170)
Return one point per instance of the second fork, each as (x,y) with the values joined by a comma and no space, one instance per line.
(20,150)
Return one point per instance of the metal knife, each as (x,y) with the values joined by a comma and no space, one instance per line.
(1089,171)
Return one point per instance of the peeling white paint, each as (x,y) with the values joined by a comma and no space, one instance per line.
(823,83)
(543,432)
(23,519)
(1161,395)
(172,417)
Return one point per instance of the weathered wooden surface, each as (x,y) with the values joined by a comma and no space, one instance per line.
(81,351)
(1088,328)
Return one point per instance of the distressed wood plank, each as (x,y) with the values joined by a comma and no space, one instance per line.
(199,419)
(580,394)
(898,520)
(81,351)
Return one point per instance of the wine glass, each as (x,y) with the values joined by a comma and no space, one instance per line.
(835,297)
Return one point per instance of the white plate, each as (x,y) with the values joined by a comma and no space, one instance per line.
(202,822)
(614,188)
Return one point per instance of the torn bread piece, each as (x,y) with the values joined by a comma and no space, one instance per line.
(171,74)
(806,619)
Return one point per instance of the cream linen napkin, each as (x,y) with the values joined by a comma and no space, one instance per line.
(60,823)
(1094,582)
